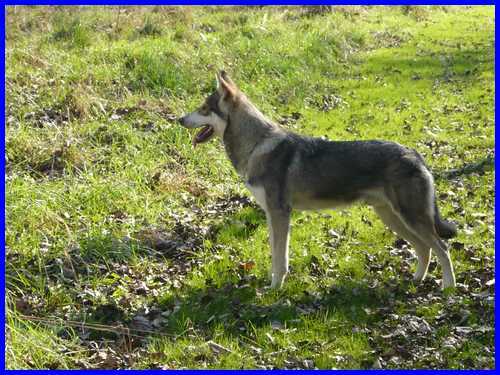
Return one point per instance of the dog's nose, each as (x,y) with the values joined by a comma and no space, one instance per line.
(181,120)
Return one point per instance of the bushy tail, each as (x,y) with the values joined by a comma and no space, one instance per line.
(445,229)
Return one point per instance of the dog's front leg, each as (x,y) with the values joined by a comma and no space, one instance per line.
(279,228)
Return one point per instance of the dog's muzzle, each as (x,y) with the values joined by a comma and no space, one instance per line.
(205,134)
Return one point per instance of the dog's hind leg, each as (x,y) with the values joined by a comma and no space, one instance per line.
(424,258)
(413,204)
(279,233)
(427,233)
(443,254)
(429,236)
(394,223)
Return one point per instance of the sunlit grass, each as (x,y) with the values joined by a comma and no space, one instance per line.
(94,158)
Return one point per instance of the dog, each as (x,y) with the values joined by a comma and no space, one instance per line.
(286,171)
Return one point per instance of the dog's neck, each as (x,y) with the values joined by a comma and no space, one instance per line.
(246,128)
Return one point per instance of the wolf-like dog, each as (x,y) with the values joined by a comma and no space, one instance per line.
(286,171)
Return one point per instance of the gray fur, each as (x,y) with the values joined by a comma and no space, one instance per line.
(288,171)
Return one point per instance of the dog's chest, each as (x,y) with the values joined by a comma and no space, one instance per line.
(259,193)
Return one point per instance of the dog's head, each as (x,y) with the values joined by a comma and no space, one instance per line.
(213,114)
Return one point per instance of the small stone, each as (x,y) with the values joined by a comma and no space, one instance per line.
(308,363)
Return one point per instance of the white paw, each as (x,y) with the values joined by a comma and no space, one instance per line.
(278,280)
(449,283)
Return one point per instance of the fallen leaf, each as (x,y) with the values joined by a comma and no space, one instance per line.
(247,266)
(377,364)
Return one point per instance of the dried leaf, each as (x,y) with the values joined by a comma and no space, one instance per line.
(246,266)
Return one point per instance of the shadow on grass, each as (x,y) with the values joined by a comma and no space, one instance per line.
(240,309)
(103,276)
(141,285)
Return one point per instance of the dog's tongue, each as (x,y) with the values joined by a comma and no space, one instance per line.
(203,135)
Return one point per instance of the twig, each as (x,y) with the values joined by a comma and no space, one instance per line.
(95,326)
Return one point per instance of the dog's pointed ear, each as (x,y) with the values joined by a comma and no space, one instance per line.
(226,78)
(225,86)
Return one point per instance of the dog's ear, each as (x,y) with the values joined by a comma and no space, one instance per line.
(226,78)
(225,86)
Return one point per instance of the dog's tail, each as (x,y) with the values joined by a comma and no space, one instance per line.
(444,228)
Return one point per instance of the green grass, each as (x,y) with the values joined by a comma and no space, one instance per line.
(113,218)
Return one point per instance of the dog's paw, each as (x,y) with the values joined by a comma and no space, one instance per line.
(449,283)
(418,279)
(276,285)
(278,280)
(449,290)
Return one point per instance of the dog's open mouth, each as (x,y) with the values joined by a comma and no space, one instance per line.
(203,135)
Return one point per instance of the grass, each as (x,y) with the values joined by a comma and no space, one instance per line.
(113,219)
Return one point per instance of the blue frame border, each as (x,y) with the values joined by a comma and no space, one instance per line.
(2,168)
(222,2)
(497,339)
(248,2)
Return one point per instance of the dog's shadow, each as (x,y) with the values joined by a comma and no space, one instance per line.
(244,307)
